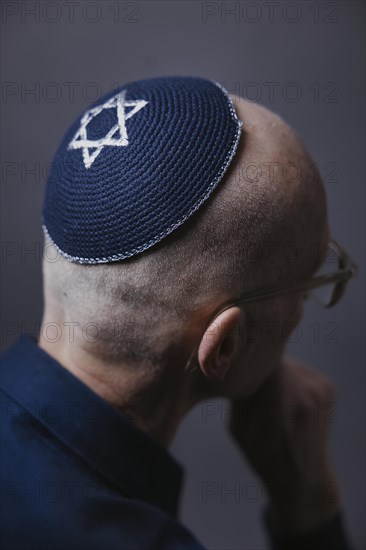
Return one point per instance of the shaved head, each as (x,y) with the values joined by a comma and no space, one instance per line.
(265,223)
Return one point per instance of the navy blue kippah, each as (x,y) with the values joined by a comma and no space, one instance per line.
(137,165)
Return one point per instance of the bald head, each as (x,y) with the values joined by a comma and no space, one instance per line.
(274,170)
(263,224)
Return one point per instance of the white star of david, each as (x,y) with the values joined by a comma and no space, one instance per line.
(81,141)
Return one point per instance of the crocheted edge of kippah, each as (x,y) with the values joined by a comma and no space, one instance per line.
(160,236)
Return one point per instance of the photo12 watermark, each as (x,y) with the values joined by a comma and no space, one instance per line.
(271,12)
(271,412)
(71,12)
(252,492)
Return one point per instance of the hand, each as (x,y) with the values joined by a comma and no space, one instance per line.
(282,430)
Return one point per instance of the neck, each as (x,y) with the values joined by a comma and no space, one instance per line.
(157,401)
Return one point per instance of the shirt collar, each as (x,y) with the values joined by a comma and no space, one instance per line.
(136,464)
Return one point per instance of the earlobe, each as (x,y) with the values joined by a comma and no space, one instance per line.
(219,344)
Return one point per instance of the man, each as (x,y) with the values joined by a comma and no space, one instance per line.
(169,204)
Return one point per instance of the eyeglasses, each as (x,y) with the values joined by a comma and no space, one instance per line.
(335,281)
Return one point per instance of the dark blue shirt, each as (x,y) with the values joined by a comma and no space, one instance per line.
(76,474)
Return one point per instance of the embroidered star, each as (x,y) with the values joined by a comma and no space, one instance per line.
(115,137)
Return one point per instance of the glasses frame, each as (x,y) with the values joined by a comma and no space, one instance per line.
(347,269)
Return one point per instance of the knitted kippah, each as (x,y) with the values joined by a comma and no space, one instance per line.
(137,165)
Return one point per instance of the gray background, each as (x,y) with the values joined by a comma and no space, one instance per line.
(313,54)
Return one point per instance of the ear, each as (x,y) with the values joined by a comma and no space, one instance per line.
(220,343)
